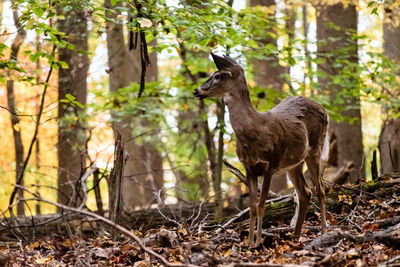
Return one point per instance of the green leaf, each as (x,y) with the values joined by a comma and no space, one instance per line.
(63,64)
(70,97)
(34,57)
(114,2)
(67,9)
(38,11)
(30,24)
(3,80)
(292,61)
(78,104)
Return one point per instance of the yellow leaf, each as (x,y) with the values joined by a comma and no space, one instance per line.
(35,245)
(68,242)
(252,83)
(227,253)
(43,260)
(179,51)
(185,107)
(29,24)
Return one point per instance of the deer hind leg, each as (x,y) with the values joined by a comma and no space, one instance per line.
(313,160)
(252,183)
(261,205)
(304,195)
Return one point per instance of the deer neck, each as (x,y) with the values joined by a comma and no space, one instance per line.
(241,111)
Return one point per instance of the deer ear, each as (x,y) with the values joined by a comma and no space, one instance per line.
(222,62)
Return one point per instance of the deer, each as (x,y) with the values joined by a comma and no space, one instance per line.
(273,142)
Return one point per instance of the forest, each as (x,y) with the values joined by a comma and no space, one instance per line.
(112,155)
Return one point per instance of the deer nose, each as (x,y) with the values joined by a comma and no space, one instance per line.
(196,92)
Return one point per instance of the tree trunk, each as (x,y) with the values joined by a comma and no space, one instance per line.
(16,127)
(37,147)
(72,125)
(349,135)
(268,73)
(389,139)
(143,172)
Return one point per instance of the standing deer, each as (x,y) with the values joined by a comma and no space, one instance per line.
(272,142)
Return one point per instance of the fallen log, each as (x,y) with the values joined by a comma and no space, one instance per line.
(28,227)
(390,237)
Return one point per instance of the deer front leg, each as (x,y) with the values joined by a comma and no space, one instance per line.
(304,195)
(252,183)
(261,205)
(313,164)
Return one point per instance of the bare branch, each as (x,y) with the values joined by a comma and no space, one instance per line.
(121,229)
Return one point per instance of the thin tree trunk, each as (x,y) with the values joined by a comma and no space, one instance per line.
(307,73)
(72,135)
(37,147)
(389,139)
(15,122)
(349,135)
(143,172)
(219,159)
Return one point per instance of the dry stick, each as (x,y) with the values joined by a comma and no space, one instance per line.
(39,115)
(84,177)
(235,171)
(392,260)
(106,221)
(97,193)
(162,214)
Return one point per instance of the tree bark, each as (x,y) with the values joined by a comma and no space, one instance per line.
(389,139)
(16,128)
(349,135)
(143,173)
(71,124)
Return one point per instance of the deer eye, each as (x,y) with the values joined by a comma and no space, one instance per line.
(217,76)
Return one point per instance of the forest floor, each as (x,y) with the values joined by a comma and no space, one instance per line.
(364,231)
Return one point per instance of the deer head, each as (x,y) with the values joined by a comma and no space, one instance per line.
(222,81)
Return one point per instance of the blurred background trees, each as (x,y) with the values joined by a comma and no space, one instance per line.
(87,60)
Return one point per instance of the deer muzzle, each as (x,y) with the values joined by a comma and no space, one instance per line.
(197,93)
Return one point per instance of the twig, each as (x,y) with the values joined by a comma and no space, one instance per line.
(198,214)
(106,221)
(354,224)
(84,177)
(392,260)
(235,171)
(162,214)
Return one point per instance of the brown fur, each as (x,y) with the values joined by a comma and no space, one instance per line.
(272,142)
